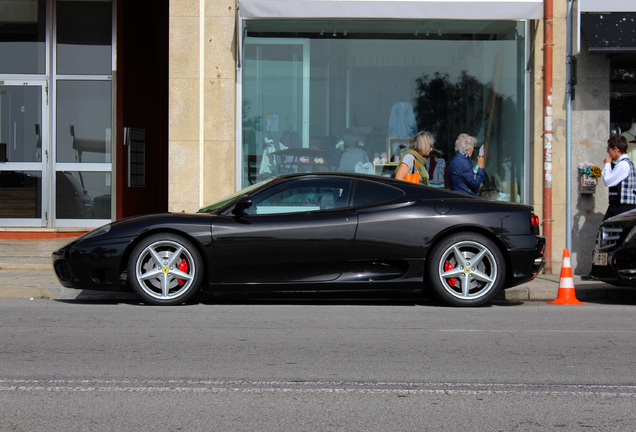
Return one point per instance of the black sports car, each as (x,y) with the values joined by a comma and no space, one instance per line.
(326,231)
(615,251)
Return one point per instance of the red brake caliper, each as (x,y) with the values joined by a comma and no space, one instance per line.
(183,266)
(448,266)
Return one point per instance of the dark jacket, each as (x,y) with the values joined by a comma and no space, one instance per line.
(461,176)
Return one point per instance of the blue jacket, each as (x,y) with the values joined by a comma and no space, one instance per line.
(461,176)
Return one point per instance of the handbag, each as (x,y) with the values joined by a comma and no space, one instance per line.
(413,178)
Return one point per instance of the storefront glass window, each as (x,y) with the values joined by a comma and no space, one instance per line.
(82,195)
(84,37)
(22,36)
(83,150)
(84,112)
(315,91)
(623,97)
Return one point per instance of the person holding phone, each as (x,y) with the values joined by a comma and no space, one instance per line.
(619,175)
(461,176)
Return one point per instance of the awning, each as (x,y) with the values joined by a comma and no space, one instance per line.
(611,33)
(607,6)
(392,9)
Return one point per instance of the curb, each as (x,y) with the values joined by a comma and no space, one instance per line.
(61,293)
(33,278)
(26,266)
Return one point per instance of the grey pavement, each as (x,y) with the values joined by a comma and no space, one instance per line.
(26,273)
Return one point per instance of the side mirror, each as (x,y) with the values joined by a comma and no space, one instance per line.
(241,205)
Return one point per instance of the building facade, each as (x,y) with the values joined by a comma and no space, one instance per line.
(604,43)
(83,109)
(280,85)
(268,86)
(169,105)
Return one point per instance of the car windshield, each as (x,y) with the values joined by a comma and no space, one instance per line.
(228,199)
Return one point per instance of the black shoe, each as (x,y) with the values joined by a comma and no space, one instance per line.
(587,277)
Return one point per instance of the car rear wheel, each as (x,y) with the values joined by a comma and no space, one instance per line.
(165,269)
(466,269)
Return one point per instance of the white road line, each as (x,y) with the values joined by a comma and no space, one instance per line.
(311,387)
(542,331)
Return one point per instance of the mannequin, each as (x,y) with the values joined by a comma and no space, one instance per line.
(402,120)
(630,135)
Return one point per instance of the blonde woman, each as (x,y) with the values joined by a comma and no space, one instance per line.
(414,160)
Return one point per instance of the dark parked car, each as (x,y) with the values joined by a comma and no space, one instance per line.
(615,251)
(328,231)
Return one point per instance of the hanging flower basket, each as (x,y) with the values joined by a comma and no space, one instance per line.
(589,177)
(588,184)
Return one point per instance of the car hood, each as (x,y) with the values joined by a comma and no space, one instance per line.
(133,226)
(627,217)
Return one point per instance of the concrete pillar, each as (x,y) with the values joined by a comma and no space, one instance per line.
(202,102)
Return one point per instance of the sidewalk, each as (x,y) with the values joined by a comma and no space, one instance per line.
(26,273)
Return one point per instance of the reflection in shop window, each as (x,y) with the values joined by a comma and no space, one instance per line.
(84,37)
(84,113)
(22,36)
(20,123)
(83,195)
(311,95)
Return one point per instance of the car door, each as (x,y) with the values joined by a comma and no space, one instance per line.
(300,230)
(390,226)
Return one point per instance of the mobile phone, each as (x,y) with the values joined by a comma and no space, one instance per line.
(481,151)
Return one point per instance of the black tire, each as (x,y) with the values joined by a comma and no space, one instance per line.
(159,276)
(466,269)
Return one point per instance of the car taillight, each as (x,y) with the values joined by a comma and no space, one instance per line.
(534,222)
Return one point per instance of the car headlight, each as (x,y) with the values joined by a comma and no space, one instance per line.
(96,232)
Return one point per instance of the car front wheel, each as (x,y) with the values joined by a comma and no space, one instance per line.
(466,269)
(165,269)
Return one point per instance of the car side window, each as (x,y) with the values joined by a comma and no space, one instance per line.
(369,193)
(302,195)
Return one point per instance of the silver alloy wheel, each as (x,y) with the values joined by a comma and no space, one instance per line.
(467,270)
(165,270)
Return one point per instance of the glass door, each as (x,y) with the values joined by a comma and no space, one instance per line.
(82,89)
(83,152)
(23,200)
(56,113)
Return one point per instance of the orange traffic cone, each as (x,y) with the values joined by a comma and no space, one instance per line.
(566,294)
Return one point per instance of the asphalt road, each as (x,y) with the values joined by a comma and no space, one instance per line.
(313,365)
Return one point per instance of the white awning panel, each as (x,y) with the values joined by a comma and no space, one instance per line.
(393,9)
(607,6)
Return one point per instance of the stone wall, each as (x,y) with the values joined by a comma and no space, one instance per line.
(202,130)
(590,131)
(202,116)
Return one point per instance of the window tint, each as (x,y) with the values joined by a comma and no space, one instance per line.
(368,193)
(302,195)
